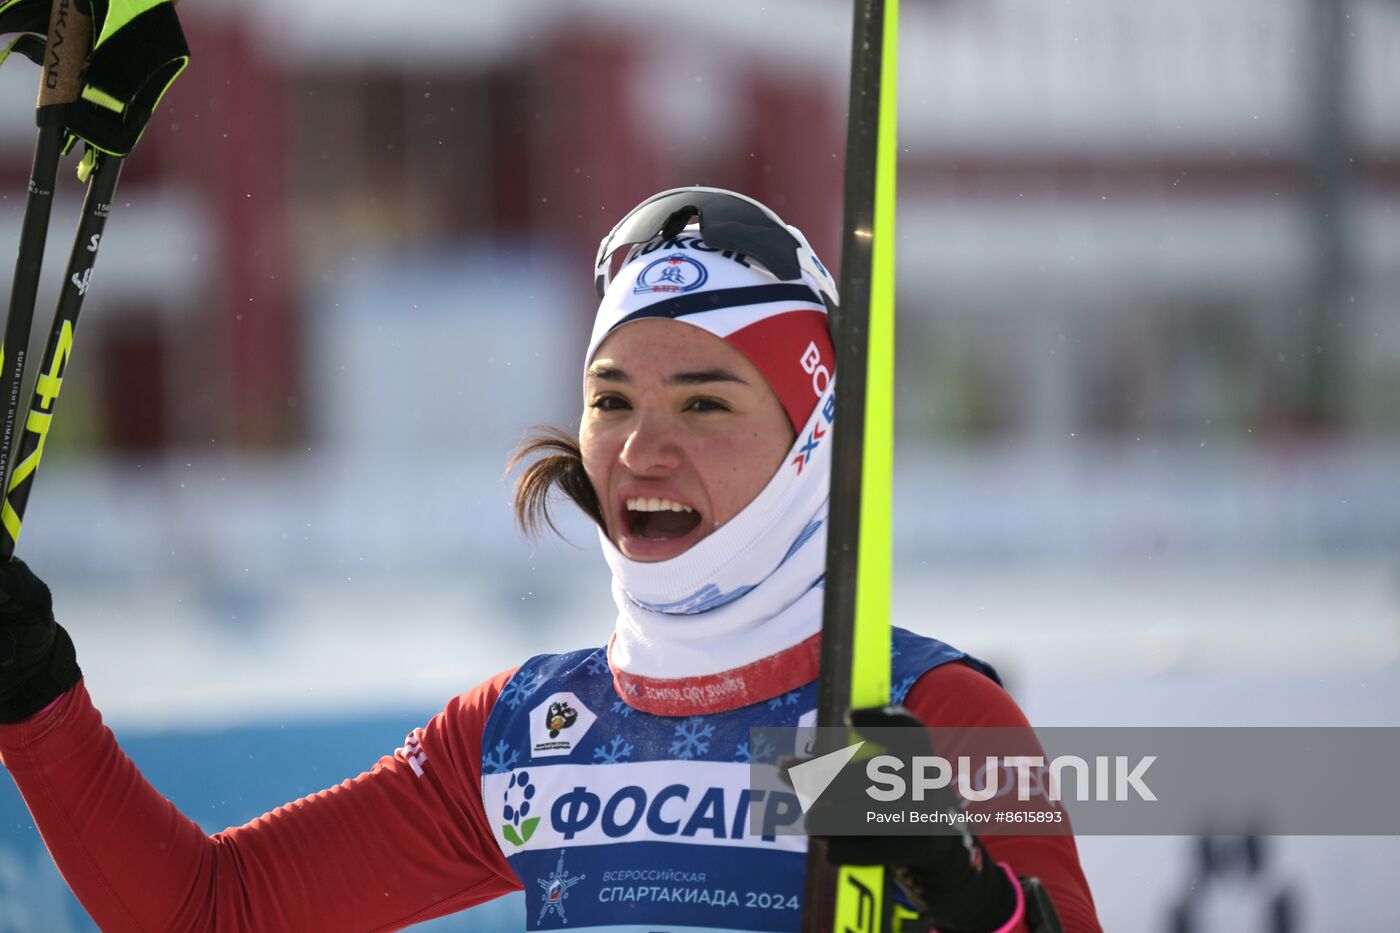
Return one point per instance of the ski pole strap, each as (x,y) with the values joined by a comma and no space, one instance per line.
(139,52)
(24,16)
(29,18)
(31,47)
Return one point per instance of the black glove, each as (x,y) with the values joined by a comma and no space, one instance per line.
(37,661)
(950,879)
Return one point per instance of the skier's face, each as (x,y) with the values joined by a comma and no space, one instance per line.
(680,432)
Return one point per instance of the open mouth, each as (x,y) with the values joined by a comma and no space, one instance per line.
(653,519)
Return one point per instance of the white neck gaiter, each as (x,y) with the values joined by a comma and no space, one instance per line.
(733,620)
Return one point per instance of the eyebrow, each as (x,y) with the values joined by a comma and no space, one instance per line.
(699,377)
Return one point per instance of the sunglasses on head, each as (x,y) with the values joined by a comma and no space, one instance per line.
(728,221)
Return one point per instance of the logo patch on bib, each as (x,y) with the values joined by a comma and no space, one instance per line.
(558,724)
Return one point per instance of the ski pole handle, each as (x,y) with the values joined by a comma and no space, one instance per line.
(70,40)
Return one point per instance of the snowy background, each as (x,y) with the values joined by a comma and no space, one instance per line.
(1149,423)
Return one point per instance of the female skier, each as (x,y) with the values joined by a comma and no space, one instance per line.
(611,783)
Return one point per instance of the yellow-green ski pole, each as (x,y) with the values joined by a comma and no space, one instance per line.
(855,661)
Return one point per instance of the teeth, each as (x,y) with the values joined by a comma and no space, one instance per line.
(653,504)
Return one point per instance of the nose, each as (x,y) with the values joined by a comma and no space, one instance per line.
(651,446)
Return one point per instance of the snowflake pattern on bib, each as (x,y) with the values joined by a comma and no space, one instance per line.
(651,822)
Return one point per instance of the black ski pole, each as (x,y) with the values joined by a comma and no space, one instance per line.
(69,36)
(97,205)
(137,53)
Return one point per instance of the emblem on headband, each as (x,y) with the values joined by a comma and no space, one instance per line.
(671,274)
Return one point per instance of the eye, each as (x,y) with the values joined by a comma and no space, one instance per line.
(608,403)
(706,405)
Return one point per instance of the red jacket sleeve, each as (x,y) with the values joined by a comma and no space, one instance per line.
(956,695)
(402,843)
